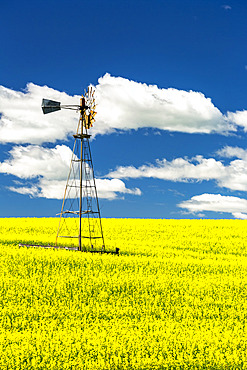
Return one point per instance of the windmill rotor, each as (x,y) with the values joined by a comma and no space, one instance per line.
(90,108)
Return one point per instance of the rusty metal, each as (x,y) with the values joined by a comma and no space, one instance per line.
(67,248)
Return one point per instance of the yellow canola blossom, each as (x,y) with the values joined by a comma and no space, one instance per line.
(175,298)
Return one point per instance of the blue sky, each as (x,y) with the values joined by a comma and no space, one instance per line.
(170,77)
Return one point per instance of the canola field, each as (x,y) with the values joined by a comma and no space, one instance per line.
(175,298)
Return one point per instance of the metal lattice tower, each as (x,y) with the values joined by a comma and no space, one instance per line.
(80,202)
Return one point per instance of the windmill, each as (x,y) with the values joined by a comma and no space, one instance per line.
(80,202)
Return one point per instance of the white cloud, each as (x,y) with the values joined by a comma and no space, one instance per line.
(32,161)
(25,190)
(242,216)
(216,203)
(122,104)
(227,7)
(22,120)
(54,189)
(231,152)
(239,118)
(48,169)
(179,169)
(109,188)
(232,176)
(125,104)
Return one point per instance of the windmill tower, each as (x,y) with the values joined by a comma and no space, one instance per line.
(80,219)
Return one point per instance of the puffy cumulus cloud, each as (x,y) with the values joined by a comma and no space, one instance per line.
(125,104)
(216,203)
(22,119)
(232,176)
(109,188)
(241,216)
(32,161)
(231,152)
(239,118)
(122,104)
(179,169)
(54,189)
(45,171)
(42,188)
